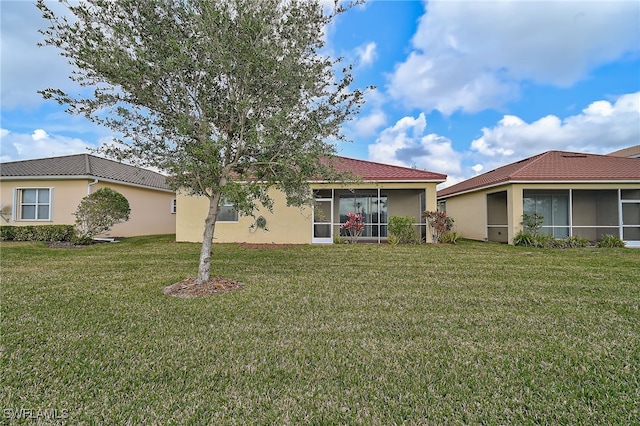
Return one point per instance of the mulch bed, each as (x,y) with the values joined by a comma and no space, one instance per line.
(188,288)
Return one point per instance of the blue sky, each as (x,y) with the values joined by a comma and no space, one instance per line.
(462,87)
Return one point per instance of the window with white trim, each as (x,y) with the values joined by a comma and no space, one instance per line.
(174,206)
(33,204)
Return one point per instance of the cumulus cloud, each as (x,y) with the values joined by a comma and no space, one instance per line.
(39,144)
(406,144)
(600,128)
(474,55)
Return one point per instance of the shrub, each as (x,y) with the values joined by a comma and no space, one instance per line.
(450,237)
(438,223)
(354,226)
(524,239)
(7,233)
(574,242)
(610,241)
(99,211)
(532,222)
(37,233)
(401,230)
(528,239)
(338,239)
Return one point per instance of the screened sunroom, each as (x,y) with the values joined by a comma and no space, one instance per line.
(586,213)
(375,205)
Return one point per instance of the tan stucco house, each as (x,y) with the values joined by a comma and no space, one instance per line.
(578,194)
(380,192)
(49,190)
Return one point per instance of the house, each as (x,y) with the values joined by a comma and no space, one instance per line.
(47,191)
(381,191)
(578,194)
(630,152)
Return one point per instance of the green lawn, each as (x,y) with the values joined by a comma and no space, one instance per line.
(364,334)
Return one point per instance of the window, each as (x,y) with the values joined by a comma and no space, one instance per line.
(553,206)
(372,209)
(227,213)
(174,206)
(33,204)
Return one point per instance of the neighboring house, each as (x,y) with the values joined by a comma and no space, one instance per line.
(631,152)
(381,191)
(583,195)
(47,191)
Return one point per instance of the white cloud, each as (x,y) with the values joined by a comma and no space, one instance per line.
(39,144)
(39,134)
(366,54)
(405,144)
(600,128)
(368,125)
(473,55)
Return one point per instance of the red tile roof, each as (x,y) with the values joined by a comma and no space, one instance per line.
(372,171)
(554,166)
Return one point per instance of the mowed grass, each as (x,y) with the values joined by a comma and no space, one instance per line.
(475,333)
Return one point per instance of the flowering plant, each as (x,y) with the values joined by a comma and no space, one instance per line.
(439,223)
(354,226)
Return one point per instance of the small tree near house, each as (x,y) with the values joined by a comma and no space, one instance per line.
(99,211)
(354,226)
(438,223)
(228,97)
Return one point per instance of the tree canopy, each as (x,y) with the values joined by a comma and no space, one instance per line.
(228,97)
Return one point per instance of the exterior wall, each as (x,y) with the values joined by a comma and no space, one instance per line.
(286,225)
(470,210)
(290,225)
(150,210)
(65,197)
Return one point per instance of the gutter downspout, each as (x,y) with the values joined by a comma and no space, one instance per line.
(90,184)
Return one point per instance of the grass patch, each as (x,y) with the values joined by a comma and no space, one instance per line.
(343,334)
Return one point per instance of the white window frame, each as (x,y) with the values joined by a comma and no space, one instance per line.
(174,205)
(17,203)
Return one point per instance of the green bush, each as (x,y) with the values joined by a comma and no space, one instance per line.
(401,230)
(574,242)
(99,211)
(524,239)
(528,239)
(7,233)
(450,237)
(610,241)
(37,233)
(337,239)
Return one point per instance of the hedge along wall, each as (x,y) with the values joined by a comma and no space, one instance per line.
(37,233)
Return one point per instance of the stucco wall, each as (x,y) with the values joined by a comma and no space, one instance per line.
(150,210)
(290,225)
(286,225)
(470,214)
(470,210)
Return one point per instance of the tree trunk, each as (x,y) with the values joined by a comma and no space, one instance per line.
(204,268)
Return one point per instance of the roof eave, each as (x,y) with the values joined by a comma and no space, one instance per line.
(85,177)
(538,181)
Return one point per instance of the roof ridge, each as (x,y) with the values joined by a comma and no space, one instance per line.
(533,159)
(87,163)
(387,165)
